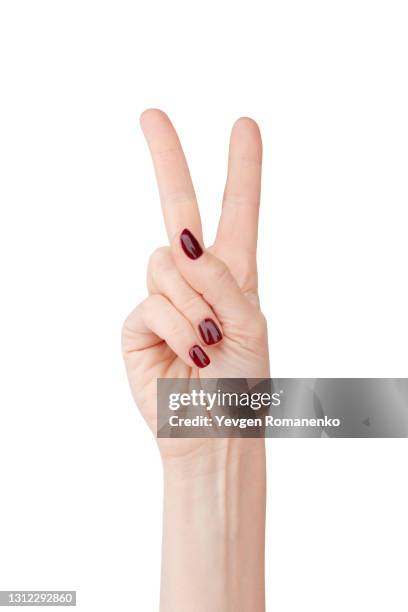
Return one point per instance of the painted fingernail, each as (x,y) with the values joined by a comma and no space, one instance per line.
(190,244)
(210,332)
(200,358)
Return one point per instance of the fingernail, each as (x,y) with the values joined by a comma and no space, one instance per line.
(200,358)
(210,332)
(190,244)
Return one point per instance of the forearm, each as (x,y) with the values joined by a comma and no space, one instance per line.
(214,530)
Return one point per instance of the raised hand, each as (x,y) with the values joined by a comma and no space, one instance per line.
(202,316)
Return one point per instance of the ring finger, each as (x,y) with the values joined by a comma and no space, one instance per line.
(164,278)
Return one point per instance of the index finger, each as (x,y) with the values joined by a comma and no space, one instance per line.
(177,196)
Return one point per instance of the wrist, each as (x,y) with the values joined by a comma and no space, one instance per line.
(209,466)
(214,527)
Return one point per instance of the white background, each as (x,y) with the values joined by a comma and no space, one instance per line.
(80,488)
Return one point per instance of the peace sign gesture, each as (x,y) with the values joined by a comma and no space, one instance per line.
(202,315)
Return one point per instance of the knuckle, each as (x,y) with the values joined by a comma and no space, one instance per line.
(125,336)
(128,330)
(167,152)
(191,302)
(247,276)
(151,303)
(219,280)
(253,297)
(178,197)
(176,329)
(220,272)
(259,326)
(159,260)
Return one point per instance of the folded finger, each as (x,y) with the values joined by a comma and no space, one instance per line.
(211,278)
(156,320)
(164,278)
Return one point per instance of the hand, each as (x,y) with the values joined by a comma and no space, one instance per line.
(202,316)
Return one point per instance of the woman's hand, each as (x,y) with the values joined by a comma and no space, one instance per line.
(202,316)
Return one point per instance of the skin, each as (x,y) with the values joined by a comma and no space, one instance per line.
(214,490)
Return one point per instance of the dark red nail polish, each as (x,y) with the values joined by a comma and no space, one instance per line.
(200,358)
(210,332)
(190,244)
